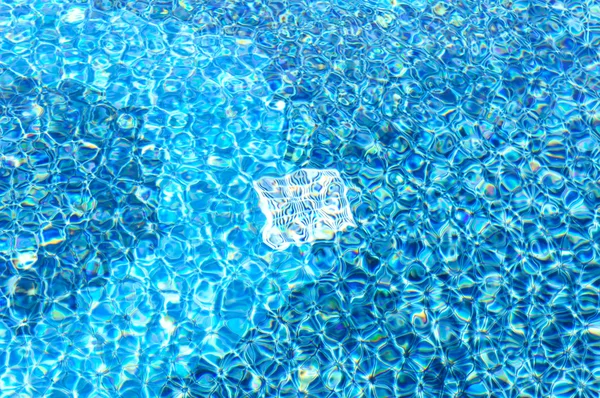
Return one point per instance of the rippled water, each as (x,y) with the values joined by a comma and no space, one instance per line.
(131,260)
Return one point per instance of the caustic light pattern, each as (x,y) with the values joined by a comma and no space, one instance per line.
(131,258)
(303,206)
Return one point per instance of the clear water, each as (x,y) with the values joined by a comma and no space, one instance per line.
(131,259)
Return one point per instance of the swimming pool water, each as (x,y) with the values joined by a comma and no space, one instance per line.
(466,134)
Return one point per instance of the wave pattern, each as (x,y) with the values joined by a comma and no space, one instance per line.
(467,134)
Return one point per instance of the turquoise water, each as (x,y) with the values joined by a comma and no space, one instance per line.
(466,134)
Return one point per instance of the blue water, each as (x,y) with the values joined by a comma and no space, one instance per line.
(467,134)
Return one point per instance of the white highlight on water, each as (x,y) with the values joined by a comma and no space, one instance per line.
(302,207)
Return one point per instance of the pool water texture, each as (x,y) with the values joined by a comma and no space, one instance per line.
(435,214)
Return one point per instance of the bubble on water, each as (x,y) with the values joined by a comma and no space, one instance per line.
(127,122)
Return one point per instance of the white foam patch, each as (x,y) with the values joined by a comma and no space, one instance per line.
(302,207)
